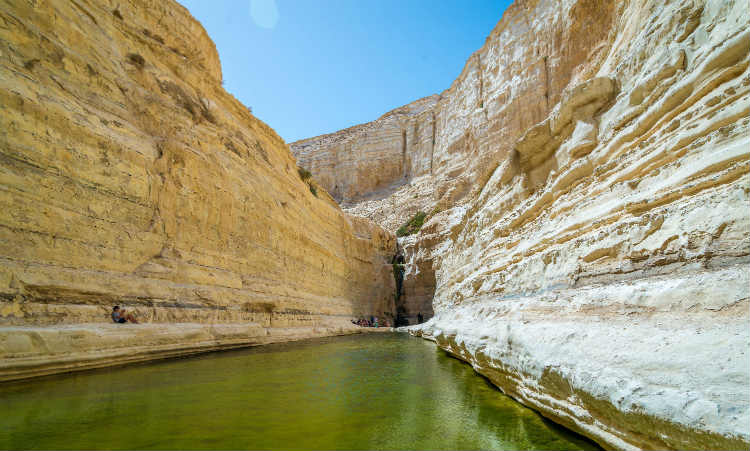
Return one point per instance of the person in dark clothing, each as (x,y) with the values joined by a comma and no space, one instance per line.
(420,318)
(121,316)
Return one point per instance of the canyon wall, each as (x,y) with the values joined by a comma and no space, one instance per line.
(372,159)
(129,176)
(588,236)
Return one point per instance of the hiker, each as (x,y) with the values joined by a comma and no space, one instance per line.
(420,318)
(121,316)
(375,323)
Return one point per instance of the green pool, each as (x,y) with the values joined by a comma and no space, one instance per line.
(375,391)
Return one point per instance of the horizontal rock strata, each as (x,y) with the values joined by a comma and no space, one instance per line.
(373,159)
(626,363)
(588,231)
(129,176)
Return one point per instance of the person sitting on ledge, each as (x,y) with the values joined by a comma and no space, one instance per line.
(121,316)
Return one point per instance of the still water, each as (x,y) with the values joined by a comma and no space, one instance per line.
(373,391)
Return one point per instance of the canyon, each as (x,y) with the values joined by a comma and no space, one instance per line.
(583,185)
(586,242)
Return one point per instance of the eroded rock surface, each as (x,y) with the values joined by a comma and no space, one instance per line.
(129,176)
(589,229)
(374,159)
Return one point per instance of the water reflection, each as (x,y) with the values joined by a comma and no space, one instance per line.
(361,392)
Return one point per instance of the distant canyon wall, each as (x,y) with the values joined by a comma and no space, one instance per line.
(588,230)
(129,176)
(376,157)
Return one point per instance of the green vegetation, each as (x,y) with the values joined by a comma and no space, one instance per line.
(413,225)
(306,177)
(304,174)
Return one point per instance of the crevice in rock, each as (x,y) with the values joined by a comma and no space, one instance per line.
(403,154)
(432,149)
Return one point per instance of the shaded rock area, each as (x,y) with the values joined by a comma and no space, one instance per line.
(129,176)
(587,243)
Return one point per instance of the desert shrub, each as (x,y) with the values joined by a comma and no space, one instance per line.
(313,189)
(304,174)
(413,225)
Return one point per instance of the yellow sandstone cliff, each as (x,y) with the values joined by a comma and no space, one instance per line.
(129,176)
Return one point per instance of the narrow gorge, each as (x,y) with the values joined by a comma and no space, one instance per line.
(570,217)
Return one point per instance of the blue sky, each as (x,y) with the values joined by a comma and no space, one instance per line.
(309,67)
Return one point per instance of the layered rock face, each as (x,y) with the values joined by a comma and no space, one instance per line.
(589,232)
(130,177)
(373,159)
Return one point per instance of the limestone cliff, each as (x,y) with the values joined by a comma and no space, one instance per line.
(589,230)
(129,176)
(373,159)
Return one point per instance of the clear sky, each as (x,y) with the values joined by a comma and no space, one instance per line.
(309,67)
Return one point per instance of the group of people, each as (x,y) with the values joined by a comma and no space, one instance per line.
(372,322)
